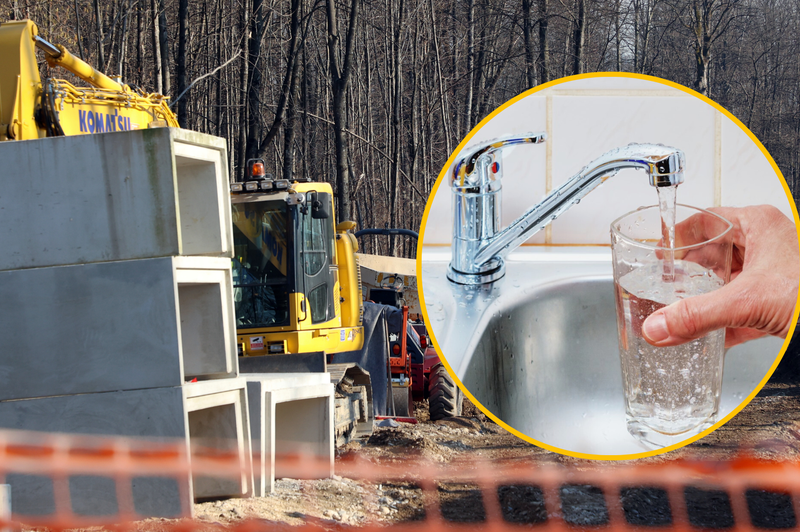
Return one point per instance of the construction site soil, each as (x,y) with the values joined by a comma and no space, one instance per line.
(768,427)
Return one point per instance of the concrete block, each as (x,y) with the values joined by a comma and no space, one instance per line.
(114,326)
(289,413)
(219,419)
(114,196)
(203,414)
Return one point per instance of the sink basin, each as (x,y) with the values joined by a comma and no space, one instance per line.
(538,349)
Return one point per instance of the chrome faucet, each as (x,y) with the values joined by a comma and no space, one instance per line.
(479,247)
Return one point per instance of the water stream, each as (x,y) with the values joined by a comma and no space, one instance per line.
(666,202)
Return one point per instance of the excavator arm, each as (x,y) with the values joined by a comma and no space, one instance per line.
(32,108)
(19,79)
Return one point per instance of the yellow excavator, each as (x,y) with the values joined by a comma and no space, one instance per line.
(32,108)
(297,289)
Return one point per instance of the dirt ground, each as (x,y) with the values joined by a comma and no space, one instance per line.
(768,427)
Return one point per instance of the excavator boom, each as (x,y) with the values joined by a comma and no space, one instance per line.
(32,108)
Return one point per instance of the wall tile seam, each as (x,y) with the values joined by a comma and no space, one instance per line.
(548,173)
(630,93)
(718,184)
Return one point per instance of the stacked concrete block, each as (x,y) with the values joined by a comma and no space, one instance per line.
(116,295)
(290,413)
(114,196)
(112,326)
(209,414)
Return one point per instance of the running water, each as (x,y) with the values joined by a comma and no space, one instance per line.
(669,390)
(666,202)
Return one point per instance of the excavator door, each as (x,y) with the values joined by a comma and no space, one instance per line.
(320,277)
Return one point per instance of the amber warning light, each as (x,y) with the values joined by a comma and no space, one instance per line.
(257,170)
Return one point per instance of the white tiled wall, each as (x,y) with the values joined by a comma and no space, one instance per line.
(585,118)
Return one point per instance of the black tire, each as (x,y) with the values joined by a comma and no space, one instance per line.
(445,397)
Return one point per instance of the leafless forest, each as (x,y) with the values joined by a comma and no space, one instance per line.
(372,95)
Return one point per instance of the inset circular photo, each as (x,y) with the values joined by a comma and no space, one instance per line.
(609,266)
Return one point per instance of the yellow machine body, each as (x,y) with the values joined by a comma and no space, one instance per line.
(282,243)
(32,108)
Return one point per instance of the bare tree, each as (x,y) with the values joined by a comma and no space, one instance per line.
(340,63)
(579,37)
(180,62)
(544,47)
(708,20)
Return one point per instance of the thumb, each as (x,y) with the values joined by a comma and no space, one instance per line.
(694,317)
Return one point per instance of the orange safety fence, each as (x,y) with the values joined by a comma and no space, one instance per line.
(60,457)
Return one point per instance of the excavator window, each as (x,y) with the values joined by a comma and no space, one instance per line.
(317,259)
(314,245)
(260,264)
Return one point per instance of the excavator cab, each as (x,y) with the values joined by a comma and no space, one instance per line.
(297,290)
(285,274)
(296,286)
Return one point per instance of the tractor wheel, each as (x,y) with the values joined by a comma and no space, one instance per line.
(445,397)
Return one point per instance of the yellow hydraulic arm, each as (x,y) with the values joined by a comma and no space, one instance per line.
(30,108)
(19,75)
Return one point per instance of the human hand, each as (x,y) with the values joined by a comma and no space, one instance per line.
(761,297)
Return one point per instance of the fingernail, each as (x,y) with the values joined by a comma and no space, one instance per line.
(655,328)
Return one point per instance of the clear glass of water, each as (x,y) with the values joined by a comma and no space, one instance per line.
(671,393)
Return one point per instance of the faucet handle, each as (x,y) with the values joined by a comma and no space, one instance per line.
(472,165)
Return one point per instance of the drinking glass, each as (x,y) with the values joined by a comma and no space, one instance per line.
(671,393)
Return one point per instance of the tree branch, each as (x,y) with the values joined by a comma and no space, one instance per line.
(196,80)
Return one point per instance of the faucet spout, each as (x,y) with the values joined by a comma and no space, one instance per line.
(663,165)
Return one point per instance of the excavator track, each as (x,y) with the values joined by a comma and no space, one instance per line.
(353,411)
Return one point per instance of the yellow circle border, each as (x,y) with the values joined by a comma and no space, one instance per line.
(440,180)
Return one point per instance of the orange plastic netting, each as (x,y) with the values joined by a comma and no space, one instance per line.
(61,457)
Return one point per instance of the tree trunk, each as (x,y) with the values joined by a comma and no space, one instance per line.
(180,66)
(397,117)
(579,38)
(157,63)
(81,53)
(544,50)
(702,55)
(139,47)
(439,78)
(123,41)
(243,101)
(470,66)
(289,137)
(340,76)
(255,62)
(101,54)
(288,86)
(527,30)
(617,29)
(163,40)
